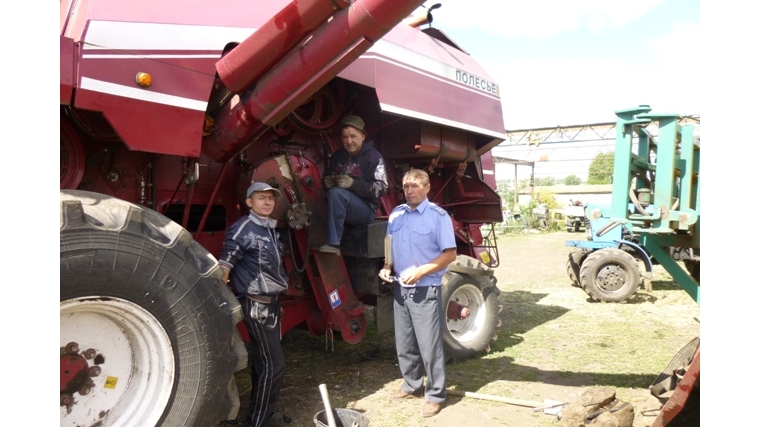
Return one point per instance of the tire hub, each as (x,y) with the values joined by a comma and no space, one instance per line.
(76,373)
(611,278)
(466,328)
(137,377)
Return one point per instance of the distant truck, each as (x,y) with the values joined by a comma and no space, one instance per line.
(575,216)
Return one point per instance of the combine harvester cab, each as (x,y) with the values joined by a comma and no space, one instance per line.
(169,112)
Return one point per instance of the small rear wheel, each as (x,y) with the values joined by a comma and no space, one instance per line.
(610,275)
(470,283)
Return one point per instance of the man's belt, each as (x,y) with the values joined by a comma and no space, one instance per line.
(260,298)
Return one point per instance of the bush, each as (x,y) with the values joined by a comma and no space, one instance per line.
(533,220)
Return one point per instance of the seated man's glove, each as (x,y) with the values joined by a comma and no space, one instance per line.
(344,181)
(329,182)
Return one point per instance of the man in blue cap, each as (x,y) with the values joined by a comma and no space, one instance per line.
(252,260)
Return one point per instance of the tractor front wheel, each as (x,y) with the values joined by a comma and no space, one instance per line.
(610,275)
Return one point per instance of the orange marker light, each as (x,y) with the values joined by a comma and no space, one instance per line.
(143,79)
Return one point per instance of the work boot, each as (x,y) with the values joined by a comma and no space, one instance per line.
(401,394)
(429,409)
(329,249)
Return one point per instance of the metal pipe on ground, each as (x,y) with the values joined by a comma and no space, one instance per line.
(548,406)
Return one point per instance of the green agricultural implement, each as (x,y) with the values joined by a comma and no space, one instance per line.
(653,219)
(654,214)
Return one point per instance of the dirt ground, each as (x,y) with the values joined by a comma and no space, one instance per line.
(553,343)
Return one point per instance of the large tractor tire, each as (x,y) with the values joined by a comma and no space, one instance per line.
(573,265)
(610,275)
(470,283)
(148,334)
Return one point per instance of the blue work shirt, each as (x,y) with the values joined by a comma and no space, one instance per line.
(418,237)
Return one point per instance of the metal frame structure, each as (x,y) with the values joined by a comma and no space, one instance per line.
(577,133)
(663,173)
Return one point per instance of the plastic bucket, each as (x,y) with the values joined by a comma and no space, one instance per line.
(343,418)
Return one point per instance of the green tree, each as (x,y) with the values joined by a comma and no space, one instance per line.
(572,180)
(544,181)
(600,169)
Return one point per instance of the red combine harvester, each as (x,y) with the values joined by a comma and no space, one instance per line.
(169,110)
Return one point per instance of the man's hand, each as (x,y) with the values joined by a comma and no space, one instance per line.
(385,274)
(225,275)
(343,181)
(412,277)
(329,182)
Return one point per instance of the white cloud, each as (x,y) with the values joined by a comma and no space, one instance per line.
(684,40)
(544,93)
(539,18)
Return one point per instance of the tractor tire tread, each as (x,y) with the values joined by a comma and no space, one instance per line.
(622,258)
(102,236)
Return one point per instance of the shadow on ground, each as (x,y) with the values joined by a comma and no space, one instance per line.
(369,368)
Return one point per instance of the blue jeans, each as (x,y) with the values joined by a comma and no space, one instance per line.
(345,207)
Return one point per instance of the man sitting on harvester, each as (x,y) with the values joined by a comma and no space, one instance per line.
(355,180)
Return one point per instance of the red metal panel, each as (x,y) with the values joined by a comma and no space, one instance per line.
(143,125)
(223,13)
(181,77)
(488,168)
(68,64)
(677,401)
(65,13)
(428,98)
(336,297)
(417,76)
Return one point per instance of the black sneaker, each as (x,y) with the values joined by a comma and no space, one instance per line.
(237,422)
(278,419)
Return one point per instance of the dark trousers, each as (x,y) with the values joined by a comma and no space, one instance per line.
(268,364)
(419,340)
(345,207)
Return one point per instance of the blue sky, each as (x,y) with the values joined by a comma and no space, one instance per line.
(576,62)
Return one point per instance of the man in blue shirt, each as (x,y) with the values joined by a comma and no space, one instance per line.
(422,246)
